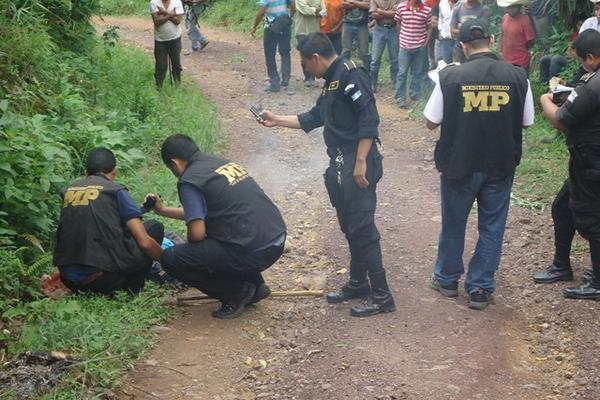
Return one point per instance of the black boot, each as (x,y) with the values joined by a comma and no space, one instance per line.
(353,289)
(554,273)
(381,301)
(589,290)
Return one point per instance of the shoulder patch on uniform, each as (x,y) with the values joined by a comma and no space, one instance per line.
(334,85)
(348,88)
(349,65)
(572,96)
(588,76)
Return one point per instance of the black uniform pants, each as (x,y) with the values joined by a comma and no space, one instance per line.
(164,52)
(217,269)
(109,282)
(566,221)
(355,209)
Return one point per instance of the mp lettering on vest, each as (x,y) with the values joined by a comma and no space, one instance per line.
(485,97)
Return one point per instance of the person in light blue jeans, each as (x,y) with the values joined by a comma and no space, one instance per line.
(458,195)
(198,40)
(413,59)
(384,34)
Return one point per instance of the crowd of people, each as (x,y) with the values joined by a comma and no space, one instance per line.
(235,232)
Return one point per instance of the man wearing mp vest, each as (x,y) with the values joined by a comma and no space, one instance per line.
(101,243)
(482,106)
(234,230)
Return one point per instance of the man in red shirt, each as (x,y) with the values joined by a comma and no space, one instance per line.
(414,20)
(517,34)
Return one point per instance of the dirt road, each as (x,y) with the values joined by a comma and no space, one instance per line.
(531,344)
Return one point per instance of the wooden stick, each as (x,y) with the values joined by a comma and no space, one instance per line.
(291,293)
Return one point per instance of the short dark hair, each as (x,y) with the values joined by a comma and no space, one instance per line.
(315,42)
(588,42)
(100,160)
(178,146)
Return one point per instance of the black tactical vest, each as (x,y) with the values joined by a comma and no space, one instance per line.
(238,211)
(483,117)
(90,231)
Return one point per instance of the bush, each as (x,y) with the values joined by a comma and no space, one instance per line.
(124,7)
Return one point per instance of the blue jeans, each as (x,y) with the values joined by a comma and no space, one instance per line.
(271,42)
(415,60)
(493,200)
(361,33)
(551,66)
(443,50)
(381,37)
(191,24)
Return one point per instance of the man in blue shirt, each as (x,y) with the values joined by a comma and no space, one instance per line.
(278,33)
(102,245)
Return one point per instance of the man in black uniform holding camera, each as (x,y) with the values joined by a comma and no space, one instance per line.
(347,110)
(579,117)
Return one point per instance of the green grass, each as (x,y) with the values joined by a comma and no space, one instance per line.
(116,97)
(124,7)
(234,15)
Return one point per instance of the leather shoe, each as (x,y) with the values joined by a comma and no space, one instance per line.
(379,302)
(587,291)
(234,307)
(262,292)
(553,274)
(351,290)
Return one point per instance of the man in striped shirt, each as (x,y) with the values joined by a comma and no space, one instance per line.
(414,20)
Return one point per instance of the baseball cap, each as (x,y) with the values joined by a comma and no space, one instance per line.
(473,29)
(508,3)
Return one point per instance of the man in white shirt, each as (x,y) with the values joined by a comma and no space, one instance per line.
(444,44)
(166,15)
(592,22)
(482,106)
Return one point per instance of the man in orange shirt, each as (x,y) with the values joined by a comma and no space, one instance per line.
(331,25)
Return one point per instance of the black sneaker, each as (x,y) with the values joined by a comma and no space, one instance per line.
(378,303)
(262,292)
(553,274)
(588,274)
(351,290)
(480,299)
(449,290)
(234,307)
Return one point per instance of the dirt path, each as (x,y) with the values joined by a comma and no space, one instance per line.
(431,348)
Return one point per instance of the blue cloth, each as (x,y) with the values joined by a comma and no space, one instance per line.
(493,200)
(383,36)
(166,243)
(193,202)
(415,60)
(275,8)
(76,272)
(271,43)
(128,209)
(443,50)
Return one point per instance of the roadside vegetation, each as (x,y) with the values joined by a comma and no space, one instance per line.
(63,91)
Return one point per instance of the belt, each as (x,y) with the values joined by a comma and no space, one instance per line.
(388,26)
(350,148)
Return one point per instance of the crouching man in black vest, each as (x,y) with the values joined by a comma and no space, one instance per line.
(234,230)
(102,245)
